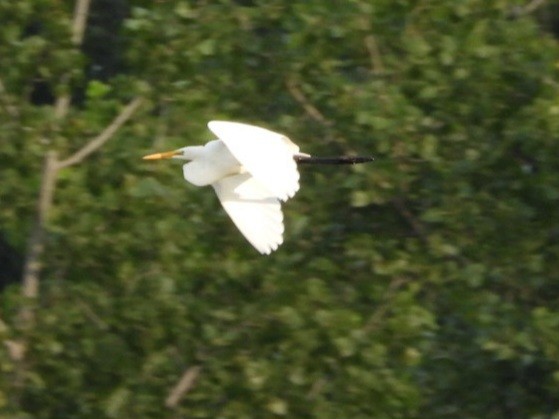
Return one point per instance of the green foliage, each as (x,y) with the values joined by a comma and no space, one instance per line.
(420,286)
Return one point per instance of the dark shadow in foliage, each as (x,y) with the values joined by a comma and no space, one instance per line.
(102,42)
(11,264)
(101,46)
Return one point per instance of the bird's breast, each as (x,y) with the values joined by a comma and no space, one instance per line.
(212,165)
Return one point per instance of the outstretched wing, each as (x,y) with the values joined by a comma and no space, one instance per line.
(267,155)
(254,209)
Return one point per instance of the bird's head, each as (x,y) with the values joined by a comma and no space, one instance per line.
(181,154)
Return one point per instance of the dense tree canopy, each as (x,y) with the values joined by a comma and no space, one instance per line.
(424,285)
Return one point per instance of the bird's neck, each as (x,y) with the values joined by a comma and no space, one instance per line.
(191,153)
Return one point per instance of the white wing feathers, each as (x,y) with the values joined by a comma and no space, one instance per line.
(254,209)
(267,155)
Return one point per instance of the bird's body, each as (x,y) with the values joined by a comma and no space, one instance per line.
(209,163)
(251,170)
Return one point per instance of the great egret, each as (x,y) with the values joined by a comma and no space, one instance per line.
(251,169)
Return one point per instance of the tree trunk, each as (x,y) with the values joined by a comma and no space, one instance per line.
(30,282)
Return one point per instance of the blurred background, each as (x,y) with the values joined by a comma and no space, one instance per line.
(423,285)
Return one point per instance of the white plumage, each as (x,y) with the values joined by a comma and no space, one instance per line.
(266,155)
(251,169)
(254,209)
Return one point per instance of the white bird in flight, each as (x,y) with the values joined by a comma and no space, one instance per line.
(251,170)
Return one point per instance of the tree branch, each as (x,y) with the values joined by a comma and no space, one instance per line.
(184,385)
(90,313)
(80,20)
(30,280)
(532,6)
(35,242)
(416,226)
(395,284)
(316,388)
(104,136)
(79,24)
(374,54)
(16,349)
(300,97)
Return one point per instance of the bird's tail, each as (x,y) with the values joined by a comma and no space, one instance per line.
(307,159)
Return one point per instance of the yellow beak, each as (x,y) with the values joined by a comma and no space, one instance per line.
(165,155)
